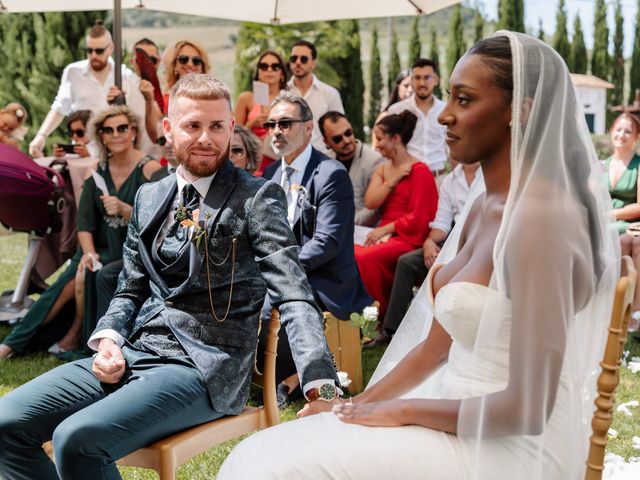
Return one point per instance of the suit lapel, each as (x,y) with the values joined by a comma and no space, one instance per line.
(221,187)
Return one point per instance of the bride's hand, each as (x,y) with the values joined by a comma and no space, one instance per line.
(318,406)
(378,414)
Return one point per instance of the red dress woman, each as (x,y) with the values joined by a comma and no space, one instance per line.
(405,191)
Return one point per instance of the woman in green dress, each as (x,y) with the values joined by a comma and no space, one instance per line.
(623,184)
(102,228)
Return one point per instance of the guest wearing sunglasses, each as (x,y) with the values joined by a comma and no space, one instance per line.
(85,85)
(185,57)
(77,125)
(320,97)
(359,160)
(270,69)
(244,151)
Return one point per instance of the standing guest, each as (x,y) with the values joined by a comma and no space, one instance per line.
(77,125)
(401,90)
(428,141)
(412,267)
(359,160)
(163,363)
(85,85)
(244,152)
(623,183)
(405,192)
(102,227)
(12,118)
(321,213)
(184,57)
(320,97)
(271,70)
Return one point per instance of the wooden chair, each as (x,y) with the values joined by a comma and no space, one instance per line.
(165,455)
(610,375)
(346,346)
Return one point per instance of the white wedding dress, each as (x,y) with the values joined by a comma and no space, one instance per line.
(322,447)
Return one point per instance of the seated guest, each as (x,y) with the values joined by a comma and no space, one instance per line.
(359,160)
(622,183)
(244,151)
(12,118)
(412,267)
(182,58)
(405,192)
(77,125)
(102,227)
(271,70)
(320,212)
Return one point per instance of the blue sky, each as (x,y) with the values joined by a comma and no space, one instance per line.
(546,9)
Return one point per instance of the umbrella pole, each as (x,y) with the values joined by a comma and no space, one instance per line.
(117,40)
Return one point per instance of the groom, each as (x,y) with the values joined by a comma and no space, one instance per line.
(176,347)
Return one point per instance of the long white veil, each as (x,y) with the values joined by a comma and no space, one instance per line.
(556,258)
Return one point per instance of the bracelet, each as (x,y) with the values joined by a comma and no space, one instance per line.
(350,400)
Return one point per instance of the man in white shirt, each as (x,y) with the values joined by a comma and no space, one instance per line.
(428,141)
(412,267)
(319,96)
(359,160)
(85,86)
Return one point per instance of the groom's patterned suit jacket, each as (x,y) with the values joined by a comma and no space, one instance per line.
(249,215)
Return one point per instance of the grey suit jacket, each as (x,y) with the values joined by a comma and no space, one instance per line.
(250,213)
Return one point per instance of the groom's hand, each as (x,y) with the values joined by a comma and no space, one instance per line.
(108,364)
(318,406)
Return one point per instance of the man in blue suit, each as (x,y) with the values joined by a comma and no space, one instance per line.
(321,214)
(176,347)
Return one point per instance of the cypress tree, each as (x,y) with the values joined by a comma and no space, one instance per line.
(456,46)
(415,46)
(540,30)
(600,55)
(634,72)
(561,37)
(394,60)
(435,58)
(478,25)
(511,15)
(375,80)
(578,60)
(617,67)
(348,66)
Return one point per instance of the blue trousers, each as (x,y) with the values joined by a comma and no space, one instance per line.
(93,424)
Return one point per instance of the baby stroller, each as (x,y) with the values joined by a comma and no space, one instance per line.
(32,200)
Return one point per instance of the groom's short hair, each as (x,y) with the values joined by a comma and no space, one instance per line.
(199,86)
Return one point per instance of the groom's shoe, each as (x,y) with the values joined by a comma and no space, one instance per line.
(285,397)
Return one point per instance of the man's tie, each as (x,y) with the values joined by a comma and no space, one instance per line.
(177,236)
(288,173)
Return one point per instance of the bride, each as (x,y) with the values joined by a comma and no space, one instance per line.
(492,373)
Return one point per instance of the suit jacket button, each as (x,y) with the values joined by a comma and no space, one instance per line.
(168,303)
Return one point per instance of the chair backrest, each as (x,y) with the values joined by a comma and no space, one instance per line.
(267,378)
(610,375)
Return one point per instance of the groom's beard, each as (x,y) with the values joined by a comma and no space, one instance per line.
(201,161)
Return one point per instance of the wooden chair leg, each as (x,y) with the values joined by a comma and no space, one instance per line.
(168,466)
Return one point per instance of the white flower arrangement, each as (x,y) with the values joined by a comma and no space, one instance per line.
(366,321)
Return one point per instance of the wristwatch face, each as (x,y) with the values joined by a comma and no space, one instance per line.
(327,392)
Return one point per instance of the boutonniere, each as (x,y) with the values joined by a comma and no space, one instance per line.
(199,227)
(302,193)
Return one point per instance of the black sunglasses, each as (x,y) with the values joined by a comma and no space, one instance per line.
(124,128)
(294,58)
(184,59)
(338,138)
(98,51)
(153,60)
(284,125)
(275,67)
(237,151)
(78,133)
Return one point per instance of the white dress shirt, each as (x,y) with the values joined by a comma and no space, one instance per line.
(428,141)
(321,98)
(202,186)
(299,165)
(80,90)
(453,195)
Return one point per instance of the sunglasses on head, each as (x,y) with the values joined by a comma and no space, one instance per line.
(124,128)
(274,67)
(98,51)
(294,58)
(237,152)
(338,138)
(184,59)
(284,125)
(78,133)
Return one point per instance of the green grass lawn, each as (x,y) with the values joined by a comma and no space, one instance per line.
(17,371)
